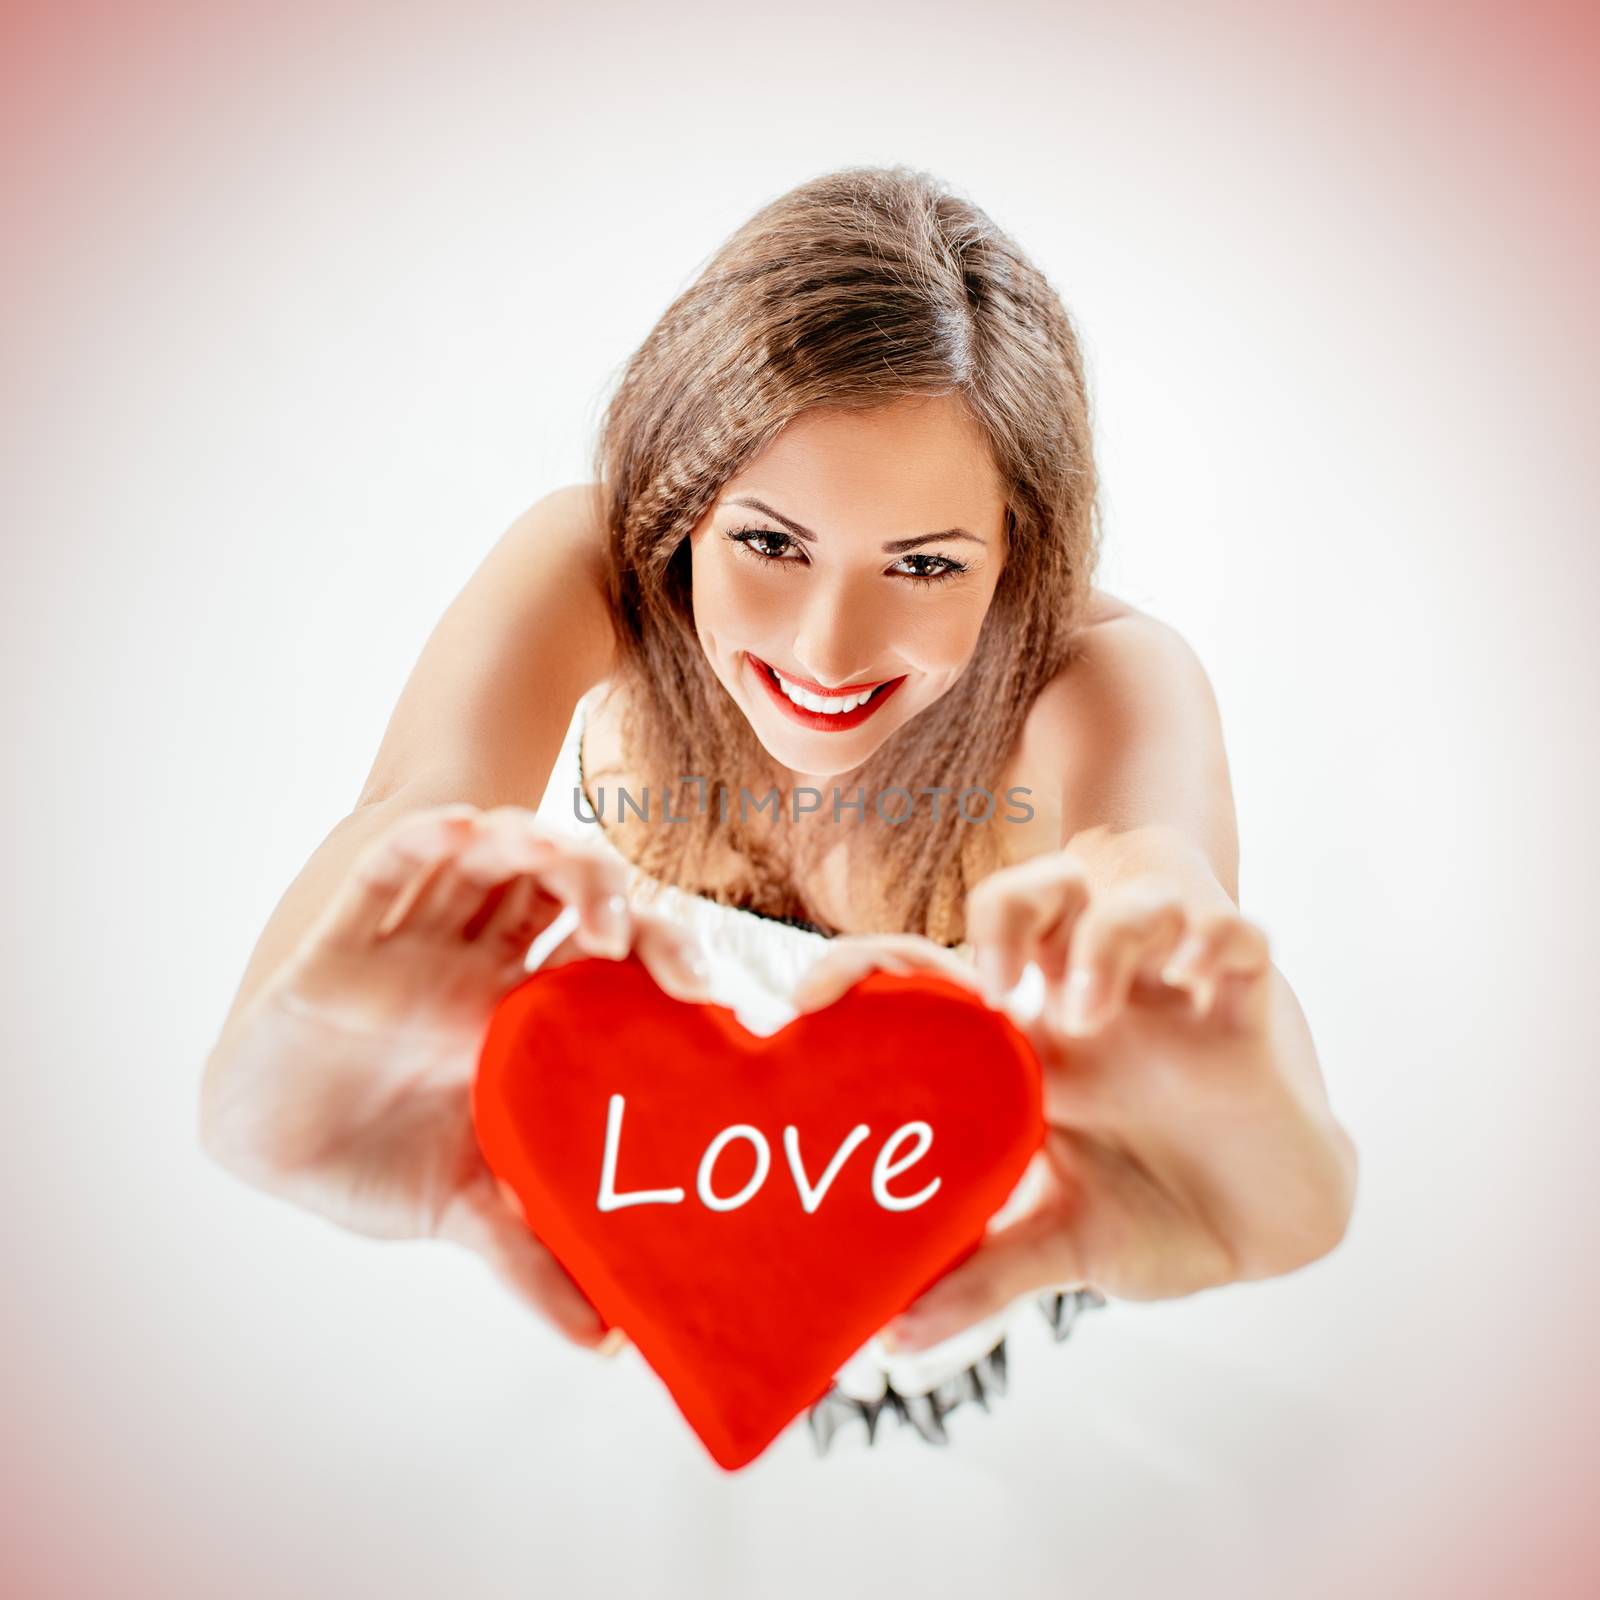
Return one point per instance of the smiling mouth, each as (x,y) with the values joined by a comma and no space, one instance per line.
(830,712)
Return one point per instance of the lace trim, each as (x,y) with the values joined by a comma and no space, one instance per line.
(986,1377)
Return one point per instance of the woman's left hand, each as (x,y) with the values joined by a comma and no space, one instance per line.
(1189,1142)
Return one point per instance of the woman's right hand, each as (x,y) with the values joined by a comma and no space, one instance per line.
(344,1084)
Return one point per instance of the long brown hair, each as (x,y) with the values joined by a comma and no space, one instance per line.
(857,289)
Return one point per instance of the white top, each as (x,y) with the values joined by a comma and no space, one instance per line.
(756,962)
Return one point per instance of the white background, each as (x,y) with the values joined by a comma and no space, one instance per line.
(306,309)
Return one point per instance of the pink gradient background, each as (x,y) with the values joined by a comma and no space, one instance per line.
(305,304)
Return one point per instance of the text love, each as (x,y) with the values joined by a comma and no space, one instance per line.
(887,1165)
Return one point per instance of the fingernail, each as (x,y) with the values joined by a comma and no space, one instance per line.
(613,926)
(1181,960)
(512,1199)
(1228,1003)
(991,969)
(612,1343)
(900,1338)
(695,978)
(1077,1000)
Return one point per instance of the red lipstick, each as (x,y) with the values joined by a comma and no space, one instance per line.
(824,721)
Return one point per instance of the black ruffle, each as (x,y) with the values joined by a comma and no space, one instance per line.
(984,1379)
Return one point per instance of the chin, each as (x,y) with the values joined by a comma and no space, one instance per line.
(819,765)
(820,754)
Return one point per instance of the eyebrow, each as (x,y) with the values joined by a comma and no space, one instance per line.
(892,546)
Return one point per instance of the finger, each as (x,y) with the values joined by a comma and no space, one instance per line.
(480,1220)
(512,839)
(1217,948)
(1240,1000)
(837,972)
(614,1339)
(851,957)
(514,915)
(561,942)
(1131,927)
(1033,1251)
(1053,942)
(595,883)
(499,845)
(1024,912)
(671,953)
(386,868)
(673,956)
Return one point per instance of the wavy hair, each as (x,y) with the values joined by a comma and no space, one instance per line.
(859,288)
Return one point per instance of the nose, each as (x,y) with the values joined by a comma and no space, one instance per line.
(838,636)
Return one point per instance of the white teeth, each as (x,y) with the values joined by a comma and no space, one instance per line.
(833,705)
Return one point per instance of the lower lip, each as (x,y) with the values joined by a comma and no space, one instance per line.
(823,721)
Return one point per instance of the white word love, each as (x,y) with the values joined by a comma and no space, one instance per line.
(883,1169)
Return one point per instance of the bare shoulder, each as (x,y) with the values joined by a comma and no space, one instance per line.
(1121,655)
(1129,733)
(483,712)
(1106,607)
(567,526)
(574,515)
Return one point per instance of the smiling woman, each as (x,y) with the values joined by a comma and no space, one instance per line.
(842,535)
(812,614)
(854,457)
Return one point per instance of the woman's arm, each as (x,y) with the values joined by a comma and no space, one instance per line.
(341,1079)
(1147,805)
(1190,1140)
(483,713)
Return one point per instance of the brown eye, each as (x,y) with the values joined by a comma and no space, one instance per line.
(947,568)
(759,543)
(771,547)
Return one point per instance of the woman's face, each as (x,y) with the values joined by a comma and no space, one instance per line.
(858,553)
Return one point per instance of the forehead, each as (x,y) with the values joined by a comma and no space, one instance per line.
(920,461)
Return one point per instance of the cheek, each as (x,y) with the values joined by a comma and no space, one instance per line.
(736,606)
(942,637)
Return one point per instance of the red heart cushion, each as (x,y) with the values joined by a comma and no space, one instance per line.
(747,1307)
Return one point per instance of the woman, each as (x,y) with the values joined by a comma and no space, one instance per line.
(837,560)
